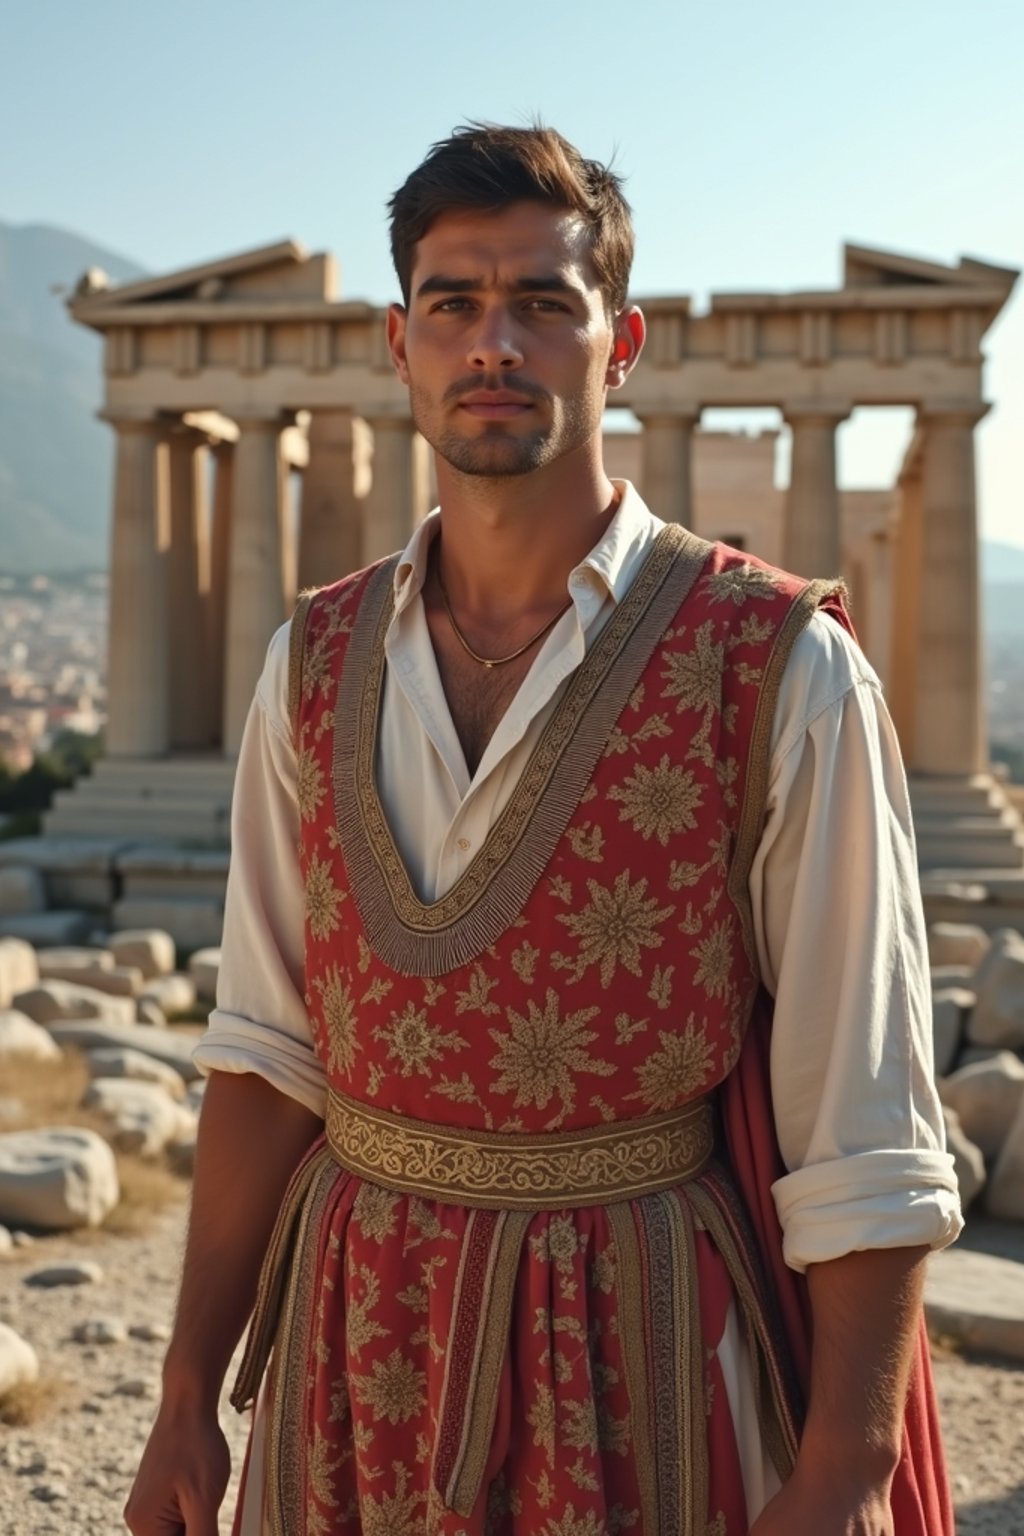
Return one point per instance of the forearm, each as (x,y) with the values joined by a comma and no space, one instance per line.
(866,1310)
(251,1138)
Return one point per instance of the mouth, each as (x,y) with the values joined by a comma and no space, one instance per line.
(495,404)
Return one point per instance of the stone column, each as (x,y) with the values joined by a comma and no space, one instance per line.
(949,735)
(811,544)
(137,672)
(905,603)
(187,587)
(331,519)
(666,464)
(256,603)
(217,596)
(398,494)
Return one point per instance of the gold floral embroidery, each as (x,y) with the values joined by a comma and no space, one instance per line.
(360,1327)
(310,787)
(578,1429)
(393,1514)
(559,1243)
(602,1270)
(340,1018)
(678,1071)
(375,1210)
(659,802)
(541,1418)
(524,960)
(694,677)
(319,1469)
(587,843)
(613,929)
(738,583)
(587,1524)
(395,1391)
(660,989)
(714,960)
(323,898)
(413,1040)
(539,1055)
(477,995)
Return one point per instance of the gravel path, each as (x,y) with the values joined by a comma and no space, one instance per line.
(68,1474)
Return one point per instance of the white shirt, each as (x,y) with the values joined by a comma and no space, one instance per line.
(834,890)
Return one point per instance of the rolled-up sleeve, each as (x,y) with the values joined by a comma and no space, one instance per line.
(260,1023)
(842,947)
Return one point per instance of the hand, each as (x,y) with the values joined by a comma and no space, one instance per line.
(819,1503)
(182,1476)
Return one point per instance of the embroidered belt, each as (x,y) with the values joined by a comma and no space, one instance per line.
(514,1171)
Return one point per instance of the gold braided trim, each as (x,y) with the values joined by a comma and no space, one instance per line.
(492,1346)
(778,1431)
(511,1171)
(755,797)
(419,938)
(296,651)
(629,1291)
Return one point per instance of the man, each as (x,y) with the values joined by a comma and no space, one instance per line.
(572,794)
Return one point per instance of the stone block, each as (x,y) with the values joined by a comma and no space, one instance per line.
(122,1061)
(944,976)
(957,944)
(1004,1197)
(19,969)
(56,1179)
(19,1363)
(967,1159)
(193,922)
(998,1015)
(21,1037)
(971,1054)
(151,950)
(41,929)
(203,968)
(950,1010)
(977,1300)
(170,1045)
(173,994)
(53,1001)
(95,893)
(21,889)
(142,1116)
(986,1097)
(92,968)
(147,1011)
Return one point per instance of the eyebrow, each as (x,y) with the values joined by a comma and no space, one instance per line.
(548,282)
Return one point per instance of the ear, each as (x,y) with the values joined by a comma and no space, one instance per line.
(396,340)
(629,333)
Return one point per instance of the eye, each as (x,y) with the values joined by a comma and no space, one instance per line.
(450,306)
(547,306)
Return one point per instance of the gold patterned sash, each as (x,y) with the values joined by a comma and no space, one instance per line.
(514,1171)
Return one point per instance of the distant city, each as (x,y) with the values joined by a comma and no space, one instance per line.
(53,639)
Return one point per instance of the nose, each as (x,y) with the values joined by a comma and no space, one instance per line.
(494,346)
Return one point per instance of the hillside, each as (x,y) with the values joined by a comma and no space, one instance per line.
(55,457)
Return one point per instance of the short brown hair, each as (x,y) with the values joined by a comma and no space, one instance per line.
(487,167)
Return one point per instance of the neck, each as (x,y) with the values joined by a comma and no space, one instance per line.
(510,543)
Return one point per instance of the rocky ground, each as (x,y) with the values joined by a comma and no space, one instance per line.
(67,1474)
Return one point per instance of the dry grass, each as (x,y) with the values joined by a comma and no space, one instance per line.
(50,1093)
(31,1402)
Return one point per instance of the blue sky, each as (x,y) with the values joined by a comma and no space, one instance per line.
(755,139)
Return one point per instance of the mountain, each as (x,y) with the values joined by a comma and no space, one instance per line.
(1002,565)
(55,457)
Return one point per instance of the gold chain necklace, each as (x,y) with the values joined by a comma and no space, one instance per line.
(492,661)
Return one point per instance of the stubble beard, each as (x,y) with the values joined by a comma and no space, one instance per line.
(498,453)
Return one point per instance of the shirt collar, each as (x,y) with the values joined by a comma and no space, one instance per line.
(609,567)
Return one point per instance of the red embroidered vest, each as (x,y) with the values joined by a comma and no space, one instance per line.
(595,962)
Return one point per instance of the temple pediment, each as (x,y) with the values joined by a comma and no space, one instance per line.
(283,271)
(866,267)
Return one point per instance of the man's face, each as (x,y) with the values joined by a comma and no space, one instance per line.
(507,347)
